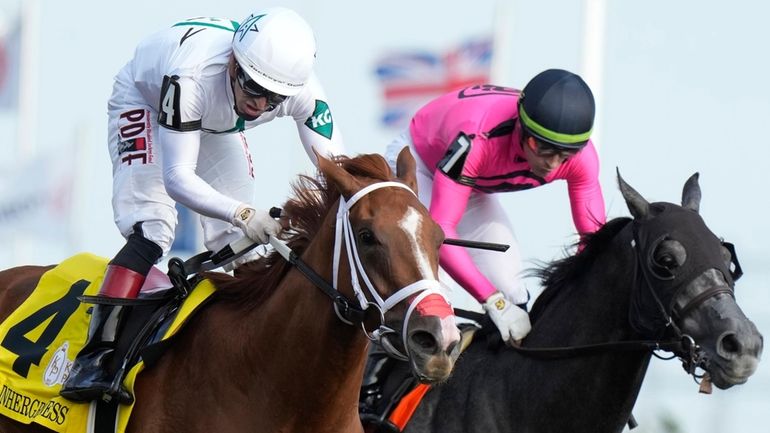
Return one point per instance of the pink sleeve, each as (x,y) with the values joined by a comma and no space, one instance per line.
(448,202)
(585,193)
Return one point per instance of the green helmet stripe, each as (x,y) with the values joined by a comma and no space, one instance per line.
(205,24)
(551,135)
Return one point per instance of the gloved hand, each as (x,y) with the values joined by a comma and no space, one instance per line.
(511,320)
(257,224)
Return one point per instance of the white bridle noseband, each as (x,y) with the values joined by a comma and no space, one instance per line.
(424,287)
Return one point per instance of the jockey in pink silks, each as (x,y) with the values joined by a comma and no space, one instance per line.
(486,139)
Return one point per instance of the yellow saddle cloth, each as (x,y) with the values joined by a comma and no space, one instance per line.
(39,341)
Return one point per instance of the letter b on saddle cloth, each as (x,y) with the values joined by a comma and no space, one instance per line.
(40,339)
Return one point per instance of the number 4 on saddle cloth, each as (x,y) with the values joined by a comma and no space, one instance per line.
(40,339)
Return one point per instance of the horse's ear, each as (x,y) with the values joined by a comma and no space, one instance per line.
(346,184)
(691,193)
(406,168)
(637,205)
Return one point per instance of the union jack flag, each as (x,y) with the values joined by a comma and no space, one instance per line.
(10,49)
(411,79)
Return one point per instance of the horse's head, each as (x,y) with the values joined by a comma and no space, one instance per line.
(392,244)
(685,284)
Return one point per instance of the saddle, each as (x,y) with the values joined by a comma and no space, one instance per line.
(41,338)
(149,317)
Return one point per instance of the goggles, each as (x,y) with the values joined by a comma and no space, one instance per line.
(254,90)
(548,150)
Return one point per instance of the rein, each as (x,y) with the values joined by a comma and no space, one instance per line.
(562,352)
(347,312)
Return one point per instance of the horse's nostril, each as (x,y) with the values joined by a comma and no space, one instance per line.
(730,344)
(424,340)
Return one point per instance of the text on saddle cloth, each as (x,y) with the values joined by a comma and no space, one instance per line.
(39,341)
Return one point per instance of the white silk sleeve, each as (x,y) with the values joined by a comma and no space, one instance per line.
(315,123)
(324,146)
(180,158)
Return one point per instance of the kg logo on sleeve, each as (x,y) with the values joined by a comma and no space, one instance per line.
(321,119)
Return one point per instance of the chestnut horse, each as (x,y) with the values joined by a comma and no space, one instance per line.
(271,353)
(661,276)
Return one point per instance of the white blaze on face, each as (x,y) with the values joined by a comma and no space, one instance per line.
(410,223)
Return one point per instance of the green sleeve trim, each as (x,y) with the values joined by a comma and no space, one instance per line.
(552,135)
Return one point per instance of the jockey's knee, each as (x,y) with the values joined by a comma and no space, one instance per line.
(159,232)
(141,250)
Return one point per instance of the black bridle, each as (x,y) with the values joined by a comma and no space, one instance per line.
(663,333)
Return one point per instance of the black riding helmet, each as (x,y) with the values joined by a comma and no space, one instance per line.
(557,107)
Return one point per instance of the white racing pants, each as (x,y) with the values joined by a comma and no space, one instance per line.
(137,171)
(484,220)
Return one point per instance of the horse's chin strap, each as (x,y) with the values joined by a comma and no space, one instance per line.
(425,287)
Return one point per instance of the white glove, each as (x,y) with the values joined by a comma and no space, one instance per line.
(257,224)
(511,320)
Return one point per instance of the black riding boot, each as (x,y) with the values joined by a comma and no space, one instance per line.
(90,377)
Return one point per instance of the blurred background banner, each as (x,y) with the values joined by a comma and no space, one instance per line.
(36,200)
(10,45)
(410,78)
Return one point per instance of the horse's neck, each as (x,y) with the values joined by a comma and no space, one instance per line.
(595,310)
(306,339)
(286,365)
(594,307)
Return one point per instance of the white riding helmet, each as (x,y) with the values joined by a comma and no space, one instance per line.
(276,48)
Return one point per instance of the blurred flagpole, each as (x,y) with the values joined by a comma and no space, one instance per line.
(28,79)
(24,248)
(594,26)
(502,40)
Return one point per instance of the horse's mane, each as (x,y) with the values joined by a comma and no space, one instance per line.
(311,200)
(557,276)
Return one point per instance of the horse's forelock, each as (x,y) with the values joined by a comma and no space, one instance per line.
(557,276)
(313,197)
(370,165)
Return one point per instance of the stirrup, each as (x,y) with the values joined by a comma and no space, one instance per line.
(122,396)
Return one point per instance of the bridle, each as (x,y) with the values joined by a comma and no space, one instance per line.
(349,312)
(346,310)
(663,333)
(647,272)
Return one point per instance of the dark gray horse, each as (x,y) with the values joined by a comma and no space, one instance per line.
(632,276)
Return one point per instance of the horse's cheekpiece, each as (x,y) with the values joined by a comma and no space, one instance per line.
(42,337)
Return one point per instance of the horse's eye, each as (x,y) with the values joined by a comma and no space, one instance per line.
(667,257)
(667,261)
(367,237)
